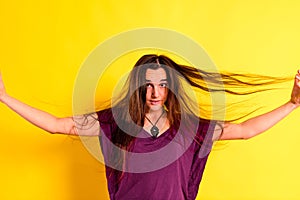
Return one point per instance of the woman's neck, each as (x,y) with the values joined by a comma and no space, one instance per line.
(154,114)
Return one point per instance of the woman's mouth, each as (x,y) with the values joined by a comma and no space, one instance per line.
(154,102)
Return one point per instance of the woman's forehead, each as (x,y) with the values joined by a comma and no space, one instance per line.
(156,75)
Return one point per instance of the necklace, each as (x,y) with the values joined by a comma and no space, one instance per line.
(154,130)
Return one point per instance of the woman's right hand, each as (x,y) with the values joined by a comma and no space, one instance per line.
(2,89)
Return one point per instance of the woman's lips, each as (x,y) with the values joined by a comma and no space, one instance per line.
(154,102)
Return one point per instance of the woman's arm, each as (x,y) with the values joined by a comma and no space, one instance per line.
(38,117)
(261,123)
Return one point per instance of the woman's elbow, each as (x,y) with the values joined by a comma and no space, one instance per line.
(250,133)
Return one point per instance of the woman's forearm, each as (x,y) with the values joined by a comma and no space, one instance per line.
(261,123)
(256,125)
(35,116)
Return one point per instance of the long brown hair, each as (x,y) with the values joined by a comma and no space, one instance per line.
(129,107)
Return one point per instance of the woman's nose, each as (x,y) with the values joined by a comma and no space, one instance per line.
(155,92)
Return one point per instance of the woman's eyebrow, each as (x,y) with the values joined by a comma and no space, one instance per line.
(162,80)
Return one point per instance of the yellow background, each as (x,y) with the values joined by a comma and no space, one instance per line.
(43,44)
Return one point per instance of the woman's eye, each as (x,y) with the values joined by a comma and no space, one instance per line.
(148,85)
(163,85)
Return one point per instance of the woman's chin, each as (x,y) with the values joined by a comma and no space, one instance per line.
(153,108)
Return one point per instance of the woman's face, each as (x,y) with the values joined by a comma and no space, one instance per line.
(156,89)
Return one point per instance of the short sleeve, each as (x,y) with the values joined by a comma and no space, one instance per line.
(218,130)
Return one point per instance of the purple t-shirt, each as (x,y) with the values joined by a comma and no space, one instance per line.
(167,167)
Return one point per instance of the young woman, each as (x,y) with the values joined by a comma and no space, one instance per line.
(154,142)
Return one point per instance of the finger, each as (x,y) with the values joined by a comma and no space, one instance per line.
(297,80)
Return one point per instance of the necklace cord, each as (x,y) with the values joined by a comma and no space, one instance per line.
(156,120)
(154,130)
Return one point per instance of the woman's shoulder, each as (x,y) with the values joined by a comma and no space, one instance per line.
(207,122)
(105,115)
(206,127)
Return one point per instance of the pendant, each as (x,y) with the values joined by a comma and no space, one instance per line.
(154,131)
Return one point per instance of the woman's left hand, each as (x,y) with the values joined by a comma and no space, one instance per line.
(295,97)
